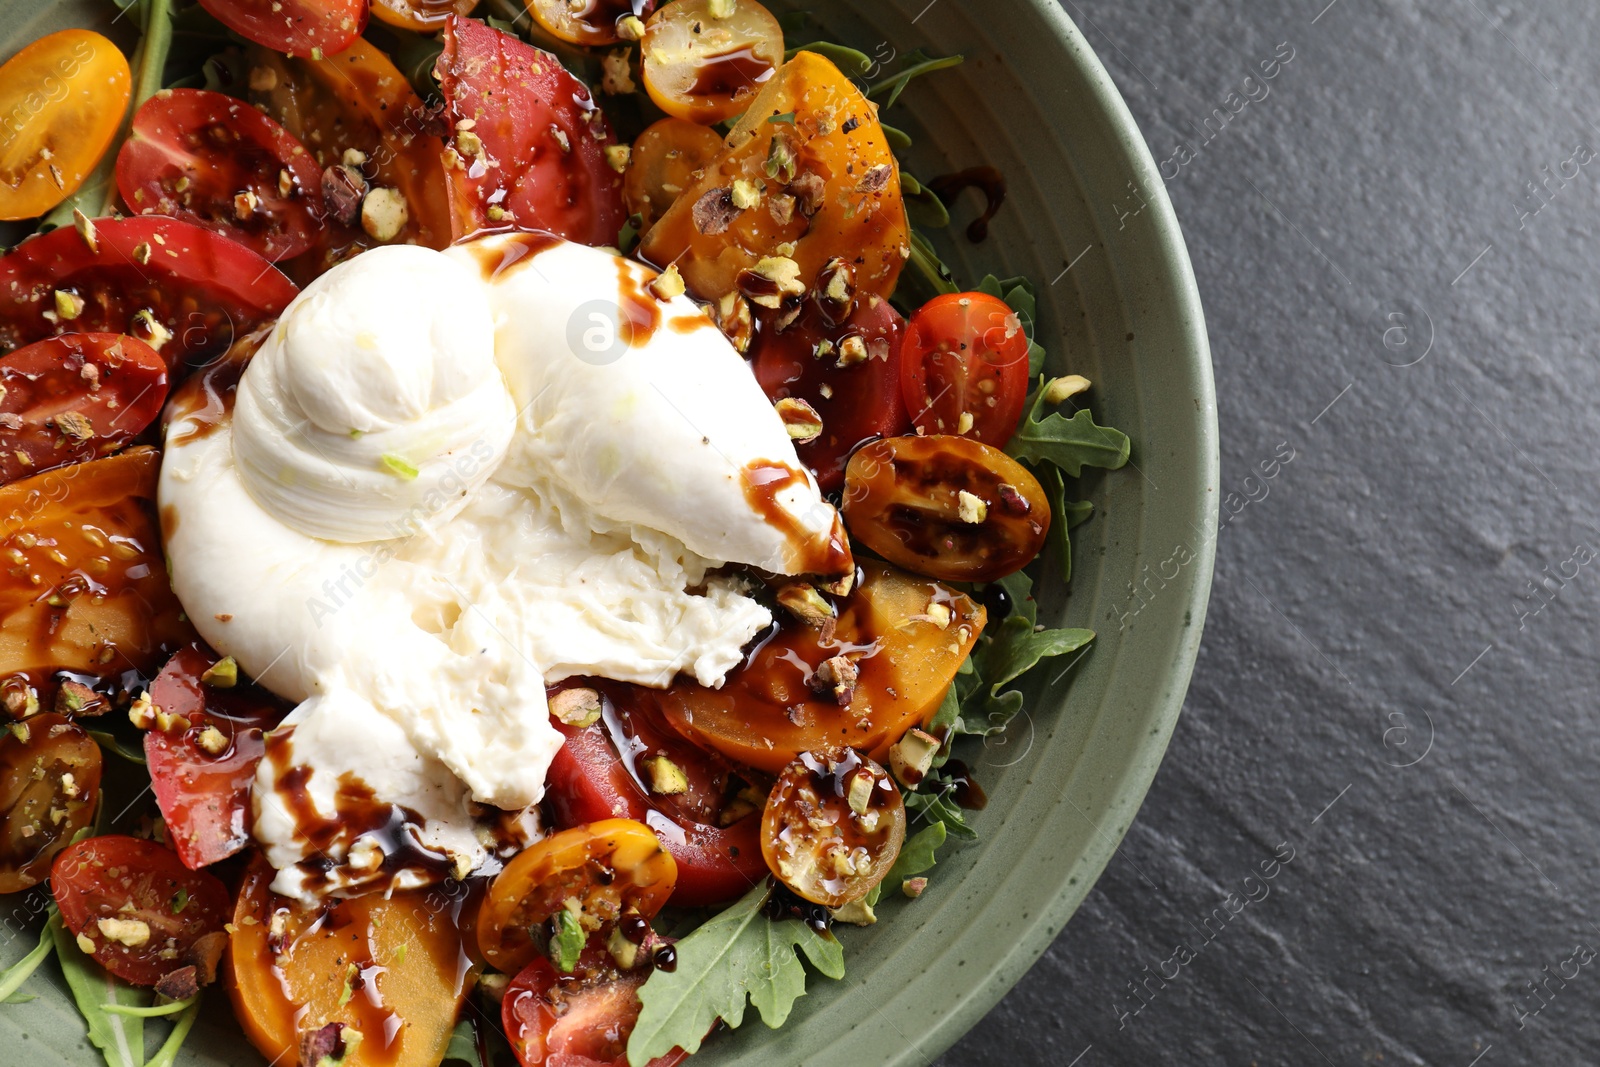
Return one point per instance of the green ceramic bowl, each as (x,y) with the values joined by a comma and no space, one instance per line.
(1033,101)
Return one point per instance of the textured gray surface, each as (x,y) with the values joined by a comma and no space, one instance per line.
(1382,690)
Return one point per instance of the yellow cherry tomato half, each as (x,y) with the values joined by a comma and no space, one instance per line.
(61,101)
(706,68)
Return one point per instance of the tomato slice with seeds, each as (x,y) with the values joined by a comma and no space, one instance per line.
(297,27)
(833,826)
(857,401)
(145,912)
(666,157)
(200,288)
(63,97)
(533,154)
(964,367)
(945,506)
(74,398)
(555,1020)
(218,162)
(202,781)
(589,781)
(611,867)
(49,788)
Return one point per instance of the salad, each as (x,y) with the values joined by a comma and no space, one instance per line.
(510,525)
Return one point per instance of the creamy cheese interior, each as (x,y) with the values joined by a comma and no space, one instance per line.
(434,495)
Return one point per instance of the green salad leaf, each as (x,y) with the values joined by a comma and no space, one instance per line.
(1070,443)
(916,856)
(463,1047)
(167,1054)
(120,1038)
(735,956)
(566,945)
(917,64)
(933,803)
(848,60)
(12,977)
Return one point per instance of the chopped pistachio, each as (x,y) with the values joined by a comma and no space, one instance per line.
(631,28)
(782,160)
(668,284)
(623,951)
(721,9)
(69,305)
(560,137)
(771,280)
(800,419)
(802,600)
(852,350)
(168,723)
(213,740)
(130,932)
(141,253)
(836,289)
(497,213)
(859,795)
(384,213)
(245,204)
(911,757)
(86,944)
(85,227)
(913,887)
(666,777)
(223,674)
(732,315)
(149,329)
(353,157)
(938,614)
(576,707)
(616,75)
(468,143)
(69,786)
(142,712)
(856,913)
(747,194)
(971,508)
(74,425)
(74,697)
(1057,390)
(618,156)
(399,467)
(836,675)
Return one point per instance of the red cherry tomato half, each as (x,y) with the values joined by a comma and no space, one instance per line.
(200,289)
(534,155)
(74,398)
(293,26)
(144,910)
(219,162)
(966,355)
(588,782)
(554,1020)
(858,401)
(202,780)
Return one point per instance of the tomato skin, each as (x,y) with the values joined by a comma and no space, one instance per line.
(33,759)
(204,288)
(816,841)
(69,90)
(707,69)
(537,124)
(96,877)
(205,798)
(424,16)
(100,518)
(220,147)
(552,1021)
(587,782)
(611,866)
(594,23)
(902,500)
(117,383)
(293,26)
(966,353)
(866,398)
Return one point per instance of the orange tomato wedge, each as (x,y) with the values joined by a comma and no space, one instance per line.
(61,101)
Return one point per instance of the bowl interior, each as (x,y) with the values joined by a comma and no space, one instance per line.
(1087,219)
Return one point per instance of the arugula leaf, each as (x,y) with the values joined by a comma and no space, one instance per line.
(923,205)
(1071,444)
(916,856)
(1019,590)
(567,944)
(937,808)
(167,1054)
(1066,515)
(1018,646)
(110,742)
(12,977)
(899,140)
(837,54)
(919,63)
(119,1038)
(929,266)
(738,954)
(463,1047)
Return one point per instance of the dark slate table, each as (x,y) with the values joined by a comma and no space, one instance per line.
(1394,709)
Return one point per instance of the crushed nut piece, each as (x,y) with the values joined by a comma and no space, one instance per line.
(74,425)
(852,350)
(771,280)
(971,508)
(212,740)
(732,316)
(668,284)
(1057,390)
(911,757)
(913,887)
(130,932)
(856,913)
(875,180)
(714,212)
(149,329)
(1012,502)
(141,712)
(721,9)
(223,674)
(837,675)
(746,194)
(353,157)
(576,707)
(836,289)
(618,156)
(141,253)
(75,698)
(69,305)
(666,777)
(800,419)
(802,600)
(85,227)
(245,204)
(384,214)
(782,159)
